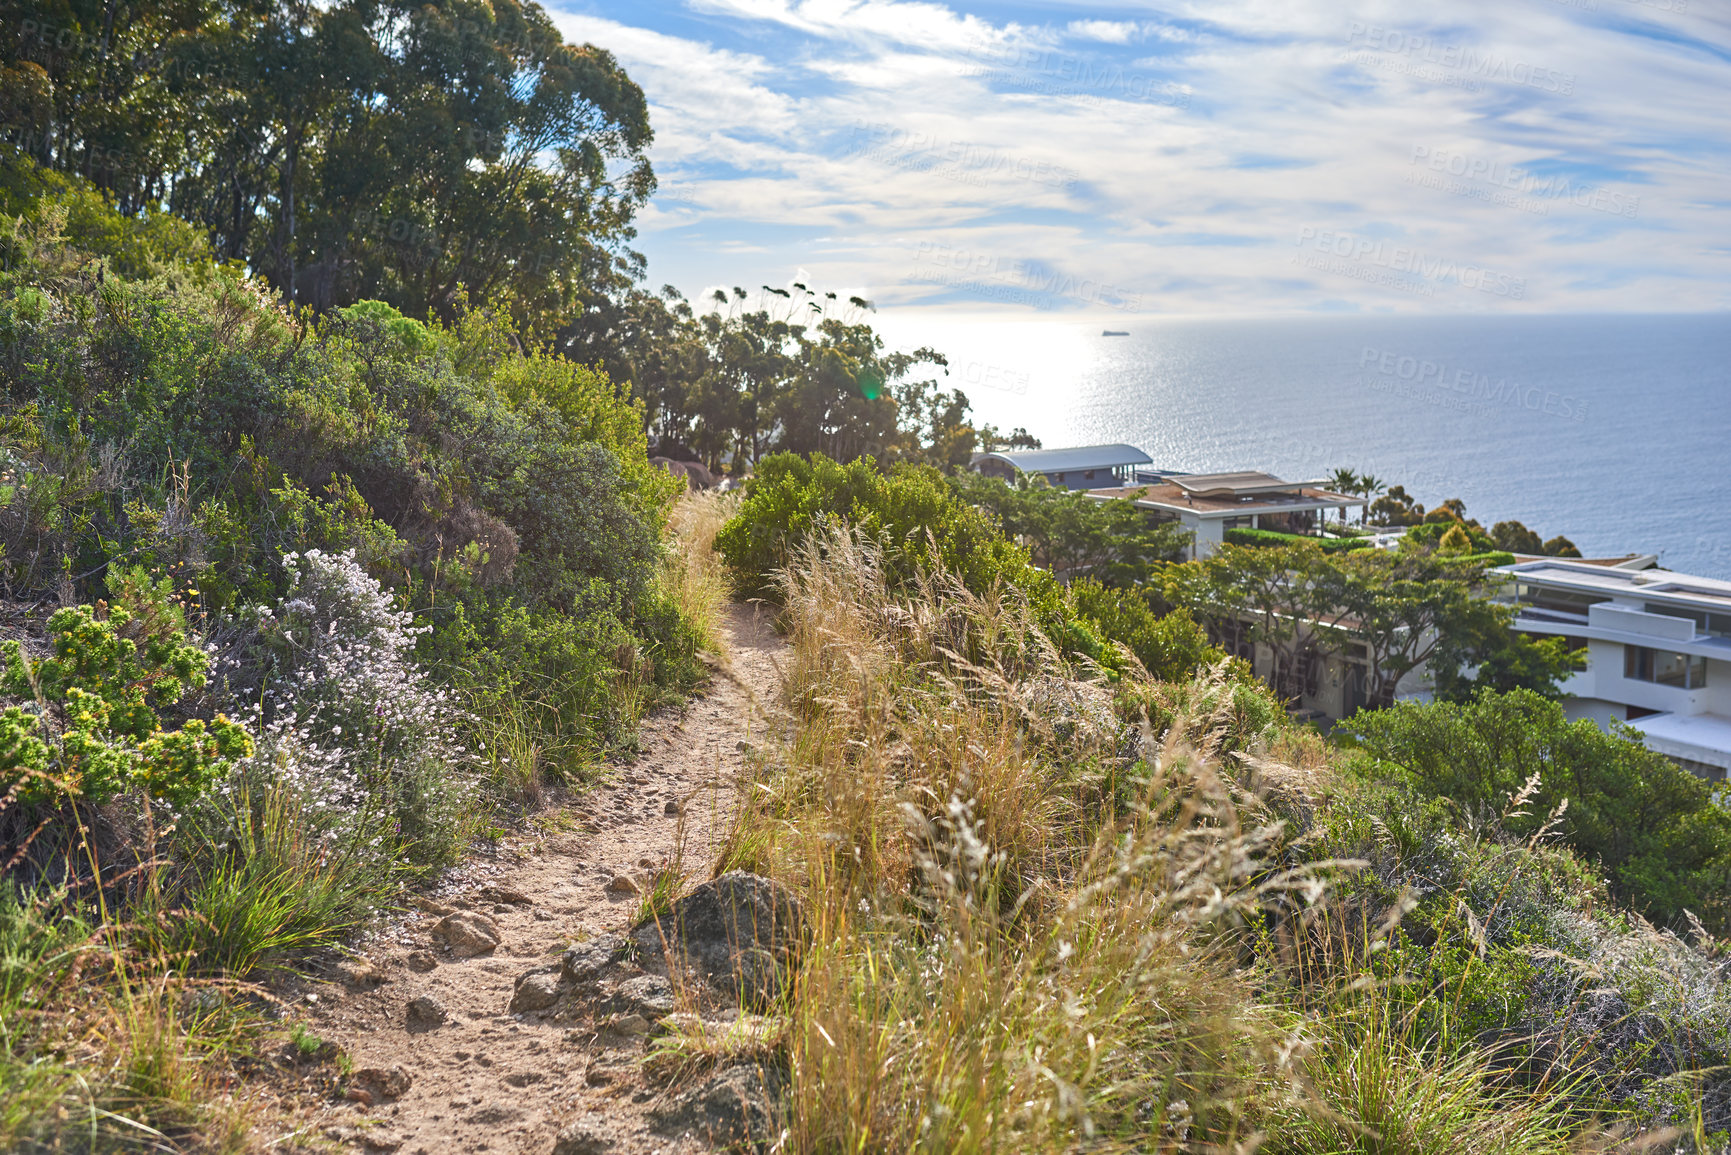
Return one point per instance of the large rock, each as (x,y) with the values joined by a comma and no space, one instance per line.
(648,995)
(467,933)
(741,1106)
(584,963)
(382,1082)
(741,932)
(425,1013)
(536,991)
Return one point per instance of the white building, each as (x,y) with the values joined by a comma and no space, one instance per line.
(1210,504)
(1658,650)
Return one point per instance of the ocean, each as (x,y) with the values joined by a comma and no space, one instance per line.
(1614,431)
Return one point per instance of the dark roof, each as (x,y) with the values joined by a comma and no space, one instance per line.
(1080,458)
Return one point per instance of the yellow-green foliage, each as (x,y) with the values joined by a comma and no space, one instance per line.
(89,727)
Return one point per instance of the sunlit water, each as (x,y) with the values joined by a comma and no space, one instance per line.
(1615,431)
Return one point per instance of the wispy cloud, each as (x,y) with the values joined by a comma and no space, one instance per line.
(1244,156)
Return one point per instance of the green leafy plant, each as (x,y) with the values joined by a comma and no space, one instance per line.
(95,731)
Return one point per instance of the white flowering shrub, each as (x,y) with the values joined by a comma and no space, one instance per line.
(349,719)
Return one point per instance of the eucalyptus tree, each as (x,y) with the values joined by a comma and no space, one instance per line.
(423,153)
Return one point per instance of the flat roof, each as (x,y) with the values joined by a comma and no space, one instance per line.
(1169,496)
(1234,484)
(1626,561)
(1080,457)
(1658,584)
(1703,732)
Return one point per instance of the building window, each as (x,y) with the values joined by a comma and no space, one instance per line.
(1552,602)
(1238,523)
(1642,664)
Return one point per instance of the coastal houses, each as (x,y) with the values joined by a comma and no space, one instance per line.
(1658,650)
(1210,505)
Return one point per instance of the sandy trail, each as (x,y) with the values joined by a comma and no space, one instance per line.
(487,1080)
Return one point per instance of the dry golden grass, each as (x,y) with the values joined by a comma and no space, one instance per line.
(1010,947)
(692,573)
(1032,922)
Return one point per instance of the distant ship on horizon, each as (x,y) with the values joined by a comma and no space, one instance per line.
(1114,333)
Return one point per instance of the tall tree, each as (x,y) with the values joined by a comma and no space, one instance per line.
(424,153)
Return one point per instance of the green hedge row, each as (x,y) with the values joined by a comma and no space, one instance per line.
(1267,538)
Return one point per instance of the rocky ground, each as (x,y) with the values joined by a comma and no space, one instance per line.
(515,1012)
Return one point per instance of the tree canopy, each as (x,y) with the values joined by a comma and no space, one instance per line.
(417,153)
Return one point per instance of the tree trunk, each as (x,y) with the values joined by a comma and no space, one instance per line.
(288,200)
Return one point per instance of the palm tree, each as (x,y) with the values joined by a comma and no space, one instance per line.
(1344,481)
(1370,487)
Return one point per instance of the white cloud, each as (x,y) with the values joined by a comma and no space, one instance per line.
(844,134)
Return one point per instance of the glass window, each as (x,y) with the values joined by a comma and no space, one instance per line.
(1670,669)
(1666,669)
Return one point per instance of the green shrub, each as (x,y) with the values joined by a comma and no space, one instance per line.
(1660,834)
(267,886)
(912,510)
(94,731)
(1488,558)
(1268,538)
(1172,648)
(413,336)
(1070,533)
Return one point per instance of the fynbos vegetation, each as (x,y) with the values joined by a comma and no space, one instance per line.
(1058,903)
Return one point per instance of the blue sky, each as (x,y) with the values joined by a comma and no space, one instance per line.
(1234,157)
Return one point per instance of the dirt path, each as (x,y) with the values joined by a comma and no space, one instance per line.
(485,1079)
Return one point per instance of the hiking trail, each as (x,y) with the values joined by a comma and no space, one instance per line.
(440,1063)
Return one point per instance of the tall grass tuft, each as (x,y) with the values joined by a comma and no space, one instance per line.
(1040,903)
(693,577)
(273,889)
(1014,910)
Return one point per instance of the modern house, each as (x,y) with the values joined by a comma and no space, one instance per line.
(1209,504)
(1083,467)
(1658,650)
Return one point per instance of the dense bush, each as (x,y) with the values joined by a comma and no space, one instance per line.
(467,477)
(910,509)
(89,727)
(1269,538)
(1071,534)
(1657,830)
(1172,648)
